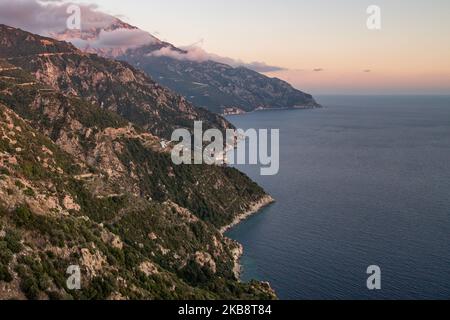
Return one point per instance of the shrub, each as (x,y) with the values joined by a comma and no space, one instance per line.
(30,288)
(5,275)
(12,240)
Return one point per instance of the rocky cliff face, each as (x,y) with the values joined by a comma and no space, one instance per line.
(83,181)
(208,84)
(111,85)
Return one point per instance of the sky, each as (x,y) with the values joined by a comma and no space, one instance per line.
(319,46)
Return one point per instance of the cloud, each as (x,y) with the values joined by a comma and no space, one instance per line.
(31,15)
(262,67)
(119,38)
(318,70)
(194,54)
(124,38)
(197,54)
(48,17)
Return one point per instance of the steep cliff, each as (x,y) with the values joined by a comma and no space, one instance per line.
(83,182)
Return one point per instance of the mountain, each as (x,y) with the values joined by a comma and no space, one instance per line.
(88,39)
(85,181)
(207,83)
(109,84)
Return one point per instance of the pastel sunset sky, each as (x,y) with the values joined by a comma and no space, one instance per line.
(321,46)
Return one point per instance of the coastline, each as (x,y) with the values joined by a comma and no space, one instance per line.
(238,251)
(242,112)
(255,207)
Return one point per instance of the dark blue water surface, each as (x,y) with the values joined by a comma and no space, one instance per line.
(363,181)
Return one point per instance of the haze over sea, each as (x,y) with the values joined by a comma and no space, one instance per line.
(363,181)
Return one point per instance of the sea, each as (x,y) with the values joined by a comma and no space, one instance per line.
(363,181)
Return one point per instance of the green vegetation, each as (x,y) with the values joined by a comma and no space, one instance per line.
(42,274)
(148,231)
(191,185)
(9,245)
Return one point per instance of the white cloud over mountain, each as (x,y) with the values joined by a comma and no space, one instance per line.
(197,54)
(49,18)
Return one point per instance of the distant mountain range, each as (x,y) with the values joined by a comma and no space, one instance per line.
(216,86)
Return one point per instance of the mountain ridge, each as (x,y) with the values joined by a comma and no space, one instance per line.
(113,85)
(210,84)
(84,184)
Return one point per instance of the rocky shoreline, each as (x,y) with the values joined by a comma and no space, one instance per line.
(254,208)
(239,250)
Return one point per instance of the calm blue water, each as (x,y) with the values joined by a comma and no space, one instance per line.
(364,181)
